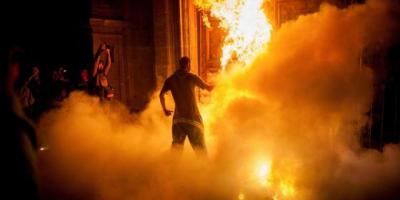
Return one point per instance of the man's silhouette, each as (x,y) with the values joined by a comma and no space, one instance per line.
(187,119)
(18,137)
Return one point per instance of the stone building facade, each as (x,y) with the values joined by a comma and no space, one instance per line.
(150,36)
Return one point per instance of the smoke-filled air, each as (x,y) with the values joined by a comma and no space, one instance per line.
(282,123)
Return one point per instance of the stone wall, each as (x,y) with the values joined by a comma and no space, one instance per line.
(128,26)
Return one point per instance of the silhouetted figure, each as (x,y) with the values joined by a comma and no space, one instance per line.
(187,119)
(29,91)
(100,72)
(36,87)
(18,137)
(83,83)
(59,75)
(60,86)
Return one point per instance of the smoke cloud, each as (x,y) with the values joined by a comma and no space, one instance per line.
(287,127)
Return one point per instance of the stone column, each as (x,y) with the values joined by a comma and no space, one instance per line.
(166,37)
(189,33)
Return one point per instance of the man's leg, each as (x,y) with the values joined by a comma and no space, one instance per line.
(196,138)
(101,92)
(178,137)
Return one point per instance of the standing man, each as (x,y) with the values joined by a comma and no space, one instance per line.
(187,119)
(100,73)
(18,144)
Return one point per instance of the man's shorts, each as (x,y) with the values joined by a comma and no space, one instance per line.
(195,134)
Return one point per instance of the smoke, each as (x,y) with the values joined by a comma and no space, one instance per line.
(297,112)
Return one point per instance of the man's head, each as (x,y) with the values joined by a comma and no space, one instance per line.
(16,61)
(35,73)
(85,75)
(184,63)
(101,64)
(35,70)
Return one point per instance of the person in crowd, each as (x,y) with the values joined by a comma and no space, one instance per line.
(29,91)
(18,143)
(100,72)
(60,85)
(83,82)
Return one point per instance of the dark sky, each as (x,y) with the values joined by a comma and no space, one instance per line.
(52,32)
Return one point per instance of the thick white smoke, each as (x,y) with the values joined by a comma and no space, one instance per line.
(302,106)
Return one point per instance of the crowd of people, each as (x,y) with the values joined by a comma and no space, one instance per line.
(39,92)
(24,96)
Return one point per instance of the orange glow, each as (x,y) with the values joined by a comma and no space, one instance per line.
(241,196)
(263,173)
(246,25)
(286,189)
(248,33)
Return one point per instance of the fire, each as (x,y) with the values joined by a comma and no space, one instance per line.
(263,173)
(241,196)
(248,30)
(248,33)
(286,189)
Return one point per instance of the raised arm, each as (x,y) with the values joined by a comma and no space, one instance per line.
(109,62)
(164,90)
(201,84)
(97,59)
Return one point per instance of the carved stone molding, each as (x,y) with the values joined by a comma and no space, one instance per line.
(286,10)
(107,26)
(107,9)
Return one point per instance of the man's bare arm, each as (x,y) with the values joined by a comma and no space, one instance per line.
(96,63)
(202,84)
(164,90)
(97,59)
(109,62)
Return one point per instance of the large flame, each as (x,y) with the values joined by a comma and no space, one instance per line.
(248,33)
(285,128)
(246,25)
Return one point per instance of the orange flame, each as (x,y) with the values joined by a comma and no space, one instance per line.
(248,33)
(246,25)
